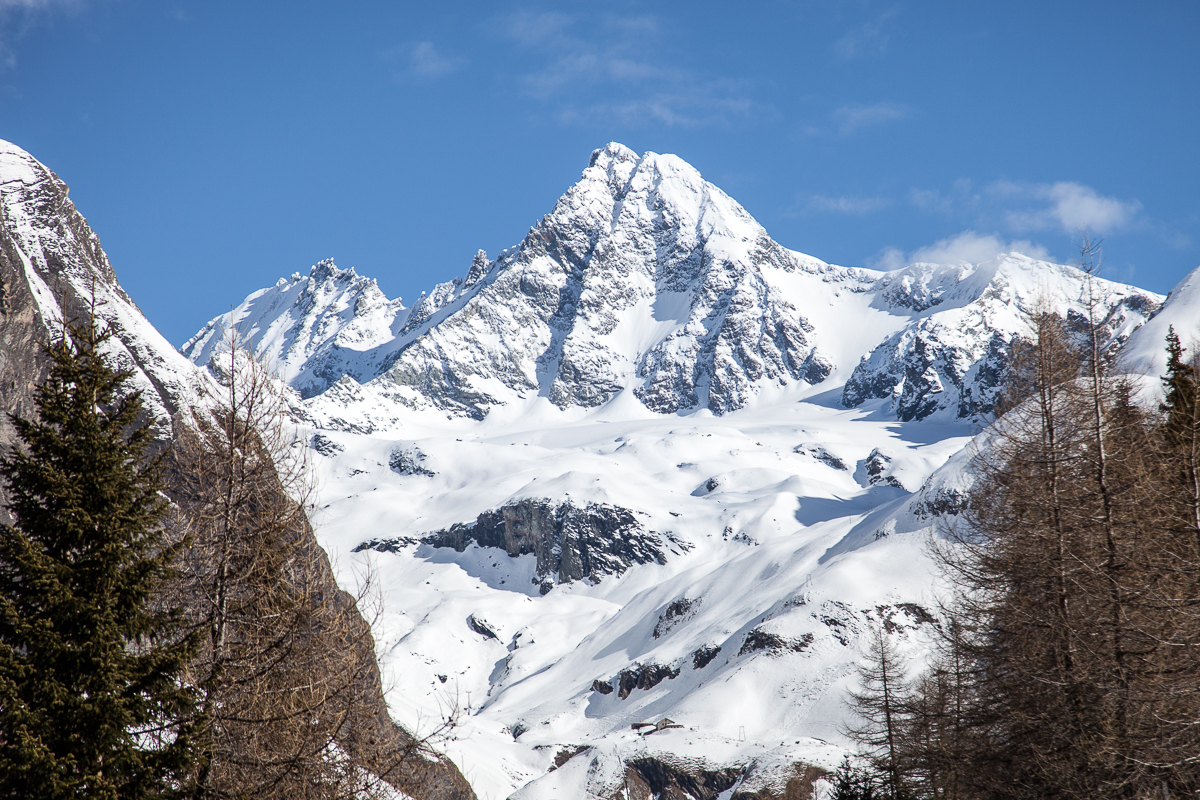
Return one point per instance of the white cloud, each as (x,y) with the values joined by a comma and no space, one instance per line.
(5,5)
(538,28)
(422,61)
(1022,207)
(851,118)
(967,247)
(1072,207)
(685,110)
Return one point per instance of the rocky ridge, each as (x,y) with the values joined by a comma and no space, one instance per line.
(647,279)
(950,361)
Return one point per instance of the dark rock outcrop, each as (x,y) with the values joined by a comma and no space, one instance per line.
(703,656)
(644,676)
(481,627)
(678,779)
(678,611)
(675,778)
(570,543)
(758,639)
(878,468)
(409,462)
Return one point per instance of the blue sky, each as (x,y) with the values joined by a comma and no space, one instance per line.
(218,146)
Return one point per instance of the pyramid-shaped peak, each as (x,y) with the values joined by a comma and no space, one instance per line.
(612,153)
(17,165)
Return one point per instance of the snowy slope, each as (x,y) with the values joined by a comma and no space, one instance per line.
(647,463)
(1146,351)
(771,574)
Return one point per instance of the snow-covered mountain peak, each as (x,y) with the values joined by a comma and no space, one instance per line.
(612,164)
(16,165)
(311,329)
(948,362)
(647,282)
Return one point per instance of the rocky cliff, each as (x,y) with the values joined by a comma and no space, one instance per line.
(52,268)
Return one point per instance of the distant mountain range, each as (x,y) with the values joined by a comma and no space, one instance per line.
(645,279)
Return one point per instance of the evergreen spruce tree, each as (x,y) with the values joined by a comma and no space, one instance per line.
(91,704)
(1181,385)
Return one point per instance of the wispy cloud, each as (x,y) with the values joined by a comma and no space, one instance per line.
(18,16)
(614,67)
(855,117)
(422,61)
(6,5)
(687,110)
(868,39)
(967,247)
(840,205)
(1063,206)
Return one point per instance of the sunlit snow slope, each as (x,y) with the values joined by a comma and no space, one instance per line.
(647,463)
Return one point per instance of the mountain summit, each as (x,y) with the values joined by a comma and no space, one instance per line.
(648,280)
(649,465)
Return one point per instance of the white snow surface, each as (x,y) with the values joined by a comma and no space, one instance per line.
(1146,351)
(790,431)
(786,544)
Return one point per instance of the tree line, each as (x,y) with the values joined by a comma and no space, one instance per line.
(163,630)
(1068,656)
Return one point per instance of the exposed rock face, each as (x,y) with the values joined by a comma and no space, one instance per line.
(951,361)
(878,469)
(774,644)
(677,778)
(314,329)
(704,656)
(647,778)
(570,543)
(677,612)
(643,277)
(51,269)
(409,462)
(644,676)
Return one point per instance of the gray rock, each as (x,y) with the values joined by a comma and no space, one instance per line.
(570,543)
